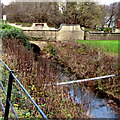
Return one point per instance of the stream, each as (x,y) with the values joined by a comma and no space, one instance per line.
(97,107)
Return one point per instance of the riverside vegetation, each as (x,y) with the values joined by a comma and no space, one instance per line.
(81,61)
(84,61)
(34,75)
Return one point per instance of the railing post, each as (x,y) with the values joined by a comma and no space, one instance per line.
(8,96)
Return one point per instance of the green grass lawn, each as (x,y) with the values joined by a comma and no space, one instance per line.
(110,46)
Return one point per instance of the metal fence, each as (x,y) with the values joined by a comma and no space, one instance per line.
(6,108)
(12,77)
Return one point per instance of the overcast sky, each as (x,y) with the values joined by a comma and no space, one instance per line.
(101,1)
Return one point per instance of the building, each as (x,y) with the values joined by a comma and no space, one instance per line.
(119,24)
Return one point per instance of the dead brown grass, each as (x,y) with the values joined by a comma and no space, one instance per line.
(86,62)
(34,75)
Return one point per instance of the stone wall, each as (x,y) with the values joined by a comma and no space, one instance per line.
(47,34)
(65,32)
(102,36)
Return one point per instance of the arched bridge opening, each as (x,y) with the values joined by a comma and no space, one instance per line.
(37,47)
(36,50)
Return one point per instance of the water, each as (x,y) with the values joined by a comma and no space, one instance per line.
(97,107)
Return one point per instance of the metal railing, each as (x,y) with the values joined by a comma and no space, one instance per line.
(85,80)
(6,109)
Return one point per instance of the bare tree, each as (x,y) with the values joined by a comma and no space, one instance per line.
(86,14)
(30,12)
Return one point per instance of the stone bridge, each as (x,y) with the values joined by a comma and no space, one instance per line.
(40,30)
(66,32)
(37,46)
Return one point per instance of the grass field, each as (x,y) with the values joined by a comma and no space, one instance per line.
(110,46)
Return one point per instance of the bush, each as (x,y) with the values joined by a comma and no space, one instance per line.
(107,30)
(51,49)
(13,32)
(104,29)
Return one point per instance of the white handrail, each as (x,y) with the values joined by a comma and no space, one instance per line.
(82,80)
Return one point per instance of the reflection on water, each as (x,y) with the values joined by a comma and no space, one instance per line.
(97,107)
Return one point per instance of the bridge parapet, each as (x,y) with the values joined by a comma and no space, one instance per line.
(64,33)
